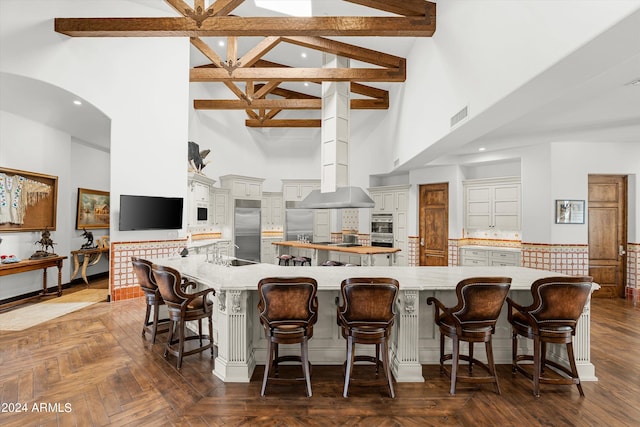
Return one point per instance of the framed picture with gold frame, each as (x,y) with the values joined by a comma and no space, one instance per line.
(28,201)
(93,209)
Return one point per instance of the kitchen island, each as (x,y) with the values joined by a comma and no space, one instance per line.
(321,251)
(240,338)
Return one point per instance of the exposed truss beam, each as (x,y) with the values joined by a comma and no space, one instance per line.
(289,103)
(283,123)
(299,74)
(216,26)
(401,7)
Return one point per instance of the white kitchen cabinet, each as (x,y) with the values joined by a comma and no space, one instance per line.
(269,251)
(295,190)
(494,257)
(393,199)
(272,211)
(199,187)
(492,204)
(220,204)
(322,225)
(390,199)
(242,187)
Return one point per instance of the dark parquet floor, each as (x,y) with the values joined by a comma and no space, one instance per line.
(92,368)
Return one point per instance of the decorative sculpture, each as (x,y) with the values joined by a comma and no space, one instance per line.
(196,157)
(45,243)
(89,243)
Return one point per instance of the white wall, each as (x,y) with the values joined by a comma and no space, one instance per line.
(481,54)
(32,147)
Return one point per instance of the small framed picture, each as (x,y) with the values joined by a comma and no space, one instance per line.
(93,209)
(569,211)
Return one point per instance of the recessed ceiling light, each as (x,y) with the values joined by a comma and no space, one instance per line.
(303,54)
(306,83)
(482,149)
(76,102)
(221,43)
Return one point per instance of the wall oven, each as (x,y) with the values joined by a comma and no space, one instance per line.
(382,230)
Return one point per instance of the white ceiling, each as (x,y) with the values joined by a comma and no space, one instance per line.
(597,105)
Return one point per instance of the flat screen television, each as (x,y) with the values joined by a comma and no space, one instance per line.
(150,213)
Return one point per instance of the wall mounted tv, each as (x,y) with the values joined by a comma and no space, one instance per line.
(150,213)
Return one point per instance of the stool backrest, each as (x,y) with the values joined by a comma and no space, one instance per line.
(142,270)
(169,283)
(368,300)
(288,300)
(559,300)
(480,300)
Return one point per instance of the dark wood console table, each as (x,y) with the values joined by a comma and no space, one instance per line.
(36,264)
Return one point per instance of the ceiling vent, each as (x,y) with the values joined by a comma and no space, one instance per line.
(459,116)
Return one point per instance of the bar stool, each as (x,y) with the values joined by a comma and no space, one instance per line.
(284,259)
(473,319)
(184,307)
(302,260)
(331,263)
(557,305)
(288,309)
(366,317)
(146,281)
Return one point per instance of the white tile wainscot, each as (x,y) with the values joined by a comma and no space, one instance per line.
(415,342)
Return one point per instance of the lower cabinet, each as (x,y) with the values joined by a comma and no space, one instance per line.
(492,257)
(269,252)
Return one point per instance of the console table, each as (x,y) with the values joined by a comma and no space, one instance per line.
(89,257)
(36,264)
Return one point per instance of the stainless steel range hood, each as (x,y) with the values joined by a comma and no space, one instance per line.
(343,197)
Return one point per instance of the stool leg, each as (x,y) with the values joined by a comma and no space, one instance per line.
(211,333)
(471,344)
(386,366)
(267,365)
(350,361)
(181,334)
(154,330)
(146,319)
(492,367)
(574,368)
(305,364)
(514,350)
(537,357)
(454,364)
(441,352)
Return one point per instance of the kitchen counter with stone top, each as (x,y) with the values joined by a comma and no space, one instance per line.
(240,338)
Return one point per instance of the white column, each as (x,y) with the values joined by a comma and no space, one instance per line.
(335,128)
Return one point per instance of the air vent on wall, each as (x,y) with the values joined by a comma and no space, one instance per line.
(459,116)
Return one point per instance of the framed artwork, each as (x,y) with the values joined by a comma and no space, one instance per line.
(28,201)
(93,209)
(569,211)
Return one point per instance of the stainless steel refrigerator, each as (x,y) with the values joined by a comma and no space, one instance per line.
(298,222)
(246,230)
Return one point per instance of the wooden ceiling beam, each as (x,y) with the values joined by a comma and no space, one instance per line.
(346,50)
(223,7)
(283,123)
(400,7)
(258,51)
(289,103)
(299,74)
(215,26)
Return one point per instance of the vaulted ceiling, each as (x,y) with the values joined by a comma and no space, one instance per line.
(262,87)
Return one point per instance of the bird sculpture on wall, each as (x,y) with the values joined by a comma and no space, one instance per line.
(196,157)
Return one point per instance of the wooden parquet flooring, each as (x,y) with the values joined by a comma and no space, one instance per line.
(93,368)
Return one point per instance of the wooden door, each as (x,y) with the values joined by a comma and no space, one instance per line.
(434,224)
(607,209)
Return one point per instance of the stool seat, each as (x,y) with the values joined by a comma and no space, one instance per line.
(284,259)
(302,260)
(331,263)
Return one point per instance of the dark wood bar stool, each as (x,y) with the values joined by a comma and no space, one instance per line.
(184,307)
(284,259)
(301,260)
(288,309)
(146,281)
(472,320)
(557,305)
(366,316)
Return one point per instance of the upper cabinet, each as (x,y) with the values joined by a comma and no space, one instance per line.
(296,190)
(492,204)
(242,187)
(390,199)
(220,205)
(198,199)
(272,211)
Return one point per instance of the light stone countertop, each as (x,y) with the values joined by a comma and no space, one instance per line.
(329,278)
(491,248)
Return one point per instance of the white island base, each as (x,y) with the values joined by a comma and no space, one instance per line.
(416,339)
